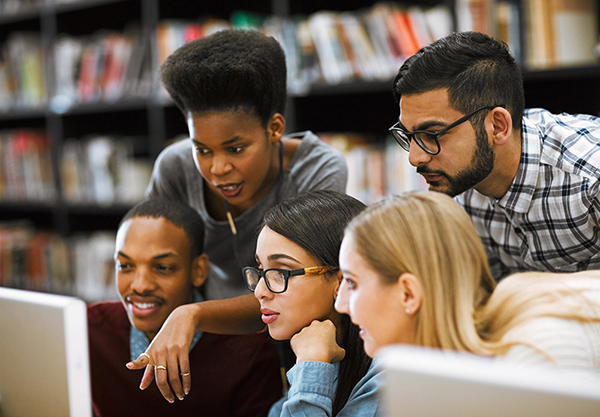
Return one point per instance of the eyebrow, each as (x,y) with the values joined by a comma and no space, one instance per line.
(224,143)
(277,256)
(425,125)
(161,256)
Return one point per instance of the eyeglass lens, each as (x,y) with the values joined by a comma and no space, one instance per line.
(274,279)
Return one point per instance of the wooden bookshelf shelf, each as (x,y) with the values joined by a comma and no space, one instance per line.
(147,120)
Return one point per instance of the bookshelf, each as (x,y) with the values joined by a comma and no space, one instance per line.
(136,113)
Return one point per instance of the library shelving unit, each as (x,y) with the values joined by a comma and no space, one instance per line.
(357,106)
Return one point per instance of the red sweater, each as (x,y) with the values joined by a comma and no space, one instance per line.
(231,375)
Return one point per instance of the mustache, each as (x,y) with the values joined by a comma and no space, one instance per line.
(129,296)
(424,170)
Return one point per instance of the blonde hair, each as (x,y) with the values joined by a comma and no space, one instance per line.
(525,296)
(429,235)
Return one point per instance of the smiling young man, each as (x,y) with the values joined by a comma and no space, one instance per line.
(160,265)
(231,87)
(529,179)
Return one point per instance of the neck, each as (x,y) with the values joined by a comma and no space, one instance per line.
(506,165)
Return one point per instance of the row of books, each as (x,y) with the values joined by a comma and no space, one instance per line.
(81,265)
(103,170)
(541,33)
(330,47)
(375,168)
(26,166)
(94,169)
(12,7)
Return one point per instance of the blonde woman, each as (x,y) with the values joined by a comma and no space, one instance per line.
(418,255)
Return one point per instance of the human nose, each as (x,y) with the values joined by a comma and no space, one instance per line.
(143,281)
(220,165)
(262,291)
(341,302)
(417,156)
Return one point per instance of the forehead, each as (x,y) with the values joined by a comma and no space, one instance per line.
(152,235)
(416,109)
(271,244)
(218,126)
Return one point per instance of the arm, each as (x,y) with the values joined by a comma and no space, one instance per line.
(171,345)
(313,378)
(312,393)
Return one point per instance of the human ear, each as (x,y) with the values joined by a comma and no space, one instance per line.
(338,281)
(411,293)
(276,127)
(199,271)
(500,124)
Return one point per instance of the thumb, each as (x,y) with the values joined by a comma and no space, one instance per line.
(339,355)
(143,360)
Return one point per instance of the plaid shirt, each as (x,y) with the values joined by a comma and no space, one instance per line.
(548,220)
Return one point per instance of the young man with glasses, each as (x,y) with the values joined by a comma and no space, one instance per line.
(529,179)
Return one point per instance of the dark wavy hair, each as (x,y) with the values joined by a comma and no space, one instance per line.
(476,69)
(316,221)
(178,213)
(227,71)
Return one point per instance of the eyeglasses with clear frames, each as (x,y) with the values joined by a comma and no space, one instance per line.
(427,140)
(277,279)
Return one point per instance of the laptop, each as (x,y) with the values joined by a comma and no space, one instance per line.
(44,357)
(423,382)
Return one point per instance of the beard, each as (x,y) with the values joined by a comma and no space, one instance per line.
(480,167)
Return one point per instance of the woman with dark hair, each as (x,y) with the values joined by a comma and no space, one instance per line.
(296,283)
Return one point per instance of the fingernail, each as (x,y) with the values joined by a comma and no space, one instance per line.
(181,398)
(171,400)
(129,365)
(186,391)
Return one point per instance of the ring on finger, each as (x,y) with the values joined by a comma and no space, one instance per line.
(185,374)
(161,367)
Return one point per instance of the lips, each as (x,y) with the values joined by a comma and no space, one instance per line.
(268,316)
(231,189)
(143,306)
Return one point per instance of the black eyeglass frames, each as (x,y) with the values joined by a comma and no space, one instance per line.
(427,140)
(277,279)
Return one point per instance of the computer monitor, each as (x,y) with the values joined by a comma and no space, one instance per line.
(44,358)
(422,382)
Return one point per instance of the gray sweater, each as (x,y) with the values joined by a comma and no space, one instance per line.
(314,166)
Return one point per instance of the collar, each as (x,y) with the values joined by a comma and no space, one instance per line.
(520,193)
(139,342)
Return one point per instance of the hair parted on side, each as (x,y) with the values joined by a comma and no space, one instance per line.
(476,69)
(229,70)
(178,213)
(315,221)
(429,235)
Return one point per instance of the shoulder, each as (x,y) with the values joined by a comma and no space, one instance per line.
(371,381)
(311,148)
(569,142)
(551,340)
(178,151)
(317,165)
(109,314)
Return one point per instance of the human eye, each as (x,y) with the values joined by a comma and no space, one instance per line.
(235,149)
(164,269)
(351,284)
(123,266)
(201,150)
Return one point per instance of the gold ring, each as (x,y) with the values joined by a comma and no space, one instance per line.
(161,367)
(186,374)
